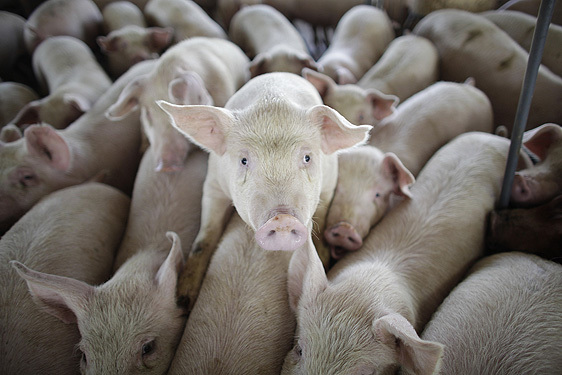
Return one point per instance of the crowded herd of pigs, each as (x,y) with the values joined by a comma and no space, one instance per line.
(255,187)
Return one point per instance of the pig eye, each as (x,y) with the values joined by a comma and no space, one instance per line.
(377,195)
(306,159)
(27,178)
(147,348)
(244,161)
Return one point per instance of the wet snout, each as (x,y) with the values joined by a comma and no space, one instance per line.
(282,232)
(343,235)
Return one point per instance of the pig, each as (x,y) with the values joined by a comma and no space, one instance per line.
(535,229)
(74,80)
(273,156)
(503,318)
(12,46)
(270,40)
(78,18)
(204,71)
(241,322)
(128,40)
(369,182)
(163,202)
(130,324)
(366,314)
(542,181)
(186,18)
(531,7)
(424,7)
(411,135)
(470,45)
(46,159)
(359,40)
(521,27)
(73,233)
(13,97)
(10,133)
(101,4)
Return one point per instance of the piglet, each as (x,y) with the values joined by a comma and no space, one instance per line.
(47,159)
(81,19)
(366,315)
(128,325)
(533,229)
(360,38)
(270,40)
(503,318)
(13,97)
(542,181)
(205,71)
(272,156)
(241,322)
(72,233)
(69,72)
(128,40)
(185,17)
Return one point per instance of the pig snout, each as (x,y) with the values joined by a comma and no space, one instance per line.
(282,232)
(342,236)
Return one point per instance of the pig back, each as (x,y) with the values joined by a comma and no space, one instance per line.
(73,232)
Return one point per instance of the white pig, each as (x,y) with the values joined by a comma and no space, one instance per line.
(13,97)
(69,72)
(103,3)
(196,71)
(270,40)
(241,322)
(424,7)
(368,186)
(542,181)
(12,46)
(470,45)
(74,233)
(46,159)
(164,202)
(521,27)
(272,156)
(81,19)
(504,318)
(130,324)
(128,40)
(365,316)
(359,40)
(186,18)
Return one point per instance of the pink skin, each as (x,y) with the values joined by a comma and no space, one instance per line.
(282,232)
(343,237)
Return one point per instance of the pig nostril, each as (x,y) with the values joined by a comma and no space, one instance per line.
(294,232)
(336,234)
(271,233)
(351,239)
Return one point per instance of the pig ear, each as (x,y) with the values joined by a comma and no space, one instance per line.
(383,105)
(62,297)
(128,100)
(419,356)
(189,88)
(344,76)
(107,43)
(28,115)
(204,125)
(259,64)
(539,140)
(167,275)
(79,102)
(307,61)
(337,132)
(306,277)
(397,173)
(323,83)
(10,133)
(45,142)
(159,38)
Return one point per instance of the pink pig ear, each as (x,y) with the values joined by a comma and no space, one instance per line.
(204,125)
(62,297)
(108,43)
(539,140)
(78,102)
(10,133)
(323,83)
(28,115)
(45,142)
(159,38)
(189,88)
(167,275)
(382,105)
(337,132)
(419,356)
(399,175)
(345,76)
(128,100)
(259,64)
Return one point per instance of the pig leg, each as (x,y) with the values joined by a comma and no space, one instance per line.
(216,209)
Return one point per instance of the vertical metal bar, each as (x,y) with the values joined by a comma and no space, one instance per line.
(535,55)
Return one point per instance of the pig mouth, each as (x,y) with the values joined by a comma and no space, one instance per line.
(337,252)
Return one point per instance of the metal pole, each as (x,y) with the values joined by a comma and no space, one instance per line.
(535,55)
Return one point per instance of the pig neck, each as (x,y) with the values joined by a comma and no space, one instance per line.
(429,242)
